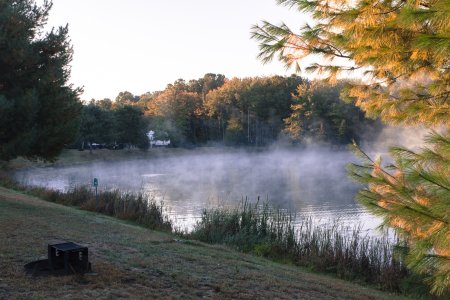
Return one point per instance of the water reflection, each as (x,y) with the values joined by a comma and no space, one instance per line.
(311,182)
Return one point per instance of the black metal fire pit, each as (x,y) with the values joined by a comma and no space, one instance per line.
(63,259)
(72,257)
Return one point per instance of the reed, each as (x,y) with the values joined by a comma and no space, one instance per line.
(135,207)
(332,248)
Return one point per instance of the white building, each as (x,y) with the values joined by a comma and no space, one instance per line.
(157,143)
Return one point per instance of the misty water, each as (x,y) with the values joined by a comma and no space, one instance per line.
(311,183)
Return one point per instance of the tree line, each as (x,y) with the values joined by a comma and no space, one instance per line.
(41,113)
(255,111)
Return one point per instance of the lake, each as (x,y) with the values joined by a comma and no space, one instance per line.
(312,182)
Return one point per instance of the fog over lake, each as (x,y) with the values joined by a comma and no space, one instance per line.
(310,182)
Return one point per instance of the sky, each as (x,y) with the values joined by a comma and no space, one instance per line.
(143,45)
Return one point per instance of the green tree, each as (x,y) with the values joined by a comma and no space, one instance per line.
(404,49)
(130,126)
(97,124)
(39,110)
(318,114)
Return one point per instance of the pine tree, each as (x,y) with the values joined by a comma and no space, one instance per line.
(413,195)
(39,111)
(403,48)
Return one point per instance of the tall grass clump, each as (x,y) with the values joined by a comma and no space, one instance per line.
(333,248)
(136,207)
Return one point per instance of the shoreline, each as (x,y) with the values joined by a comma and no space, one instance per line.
(131,261)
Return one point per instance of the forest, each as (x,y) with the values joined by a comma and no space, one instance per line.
(215,110)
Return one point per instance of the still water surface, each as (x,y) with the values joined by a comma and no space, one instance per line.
(309,182)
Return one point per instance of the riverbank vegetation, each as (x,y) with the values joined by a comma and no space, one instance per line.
(133,262)
(134,207)
(327,248)
(262,231)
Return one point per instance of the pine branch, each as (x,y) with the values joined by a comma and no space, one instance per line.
(435,183)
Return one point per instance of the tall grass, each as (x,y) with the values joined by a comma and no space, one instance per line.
(268,232)
(136,207)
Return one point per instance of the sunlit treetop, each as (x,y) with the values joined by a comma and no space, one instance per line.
(403,47)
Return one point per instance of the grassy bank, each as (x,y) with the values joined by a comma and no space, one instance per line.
(331,248)
(135,207)
(261,231)
(134,262)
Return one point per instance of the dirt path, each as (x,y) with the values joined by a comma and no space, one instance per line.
(133,262)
